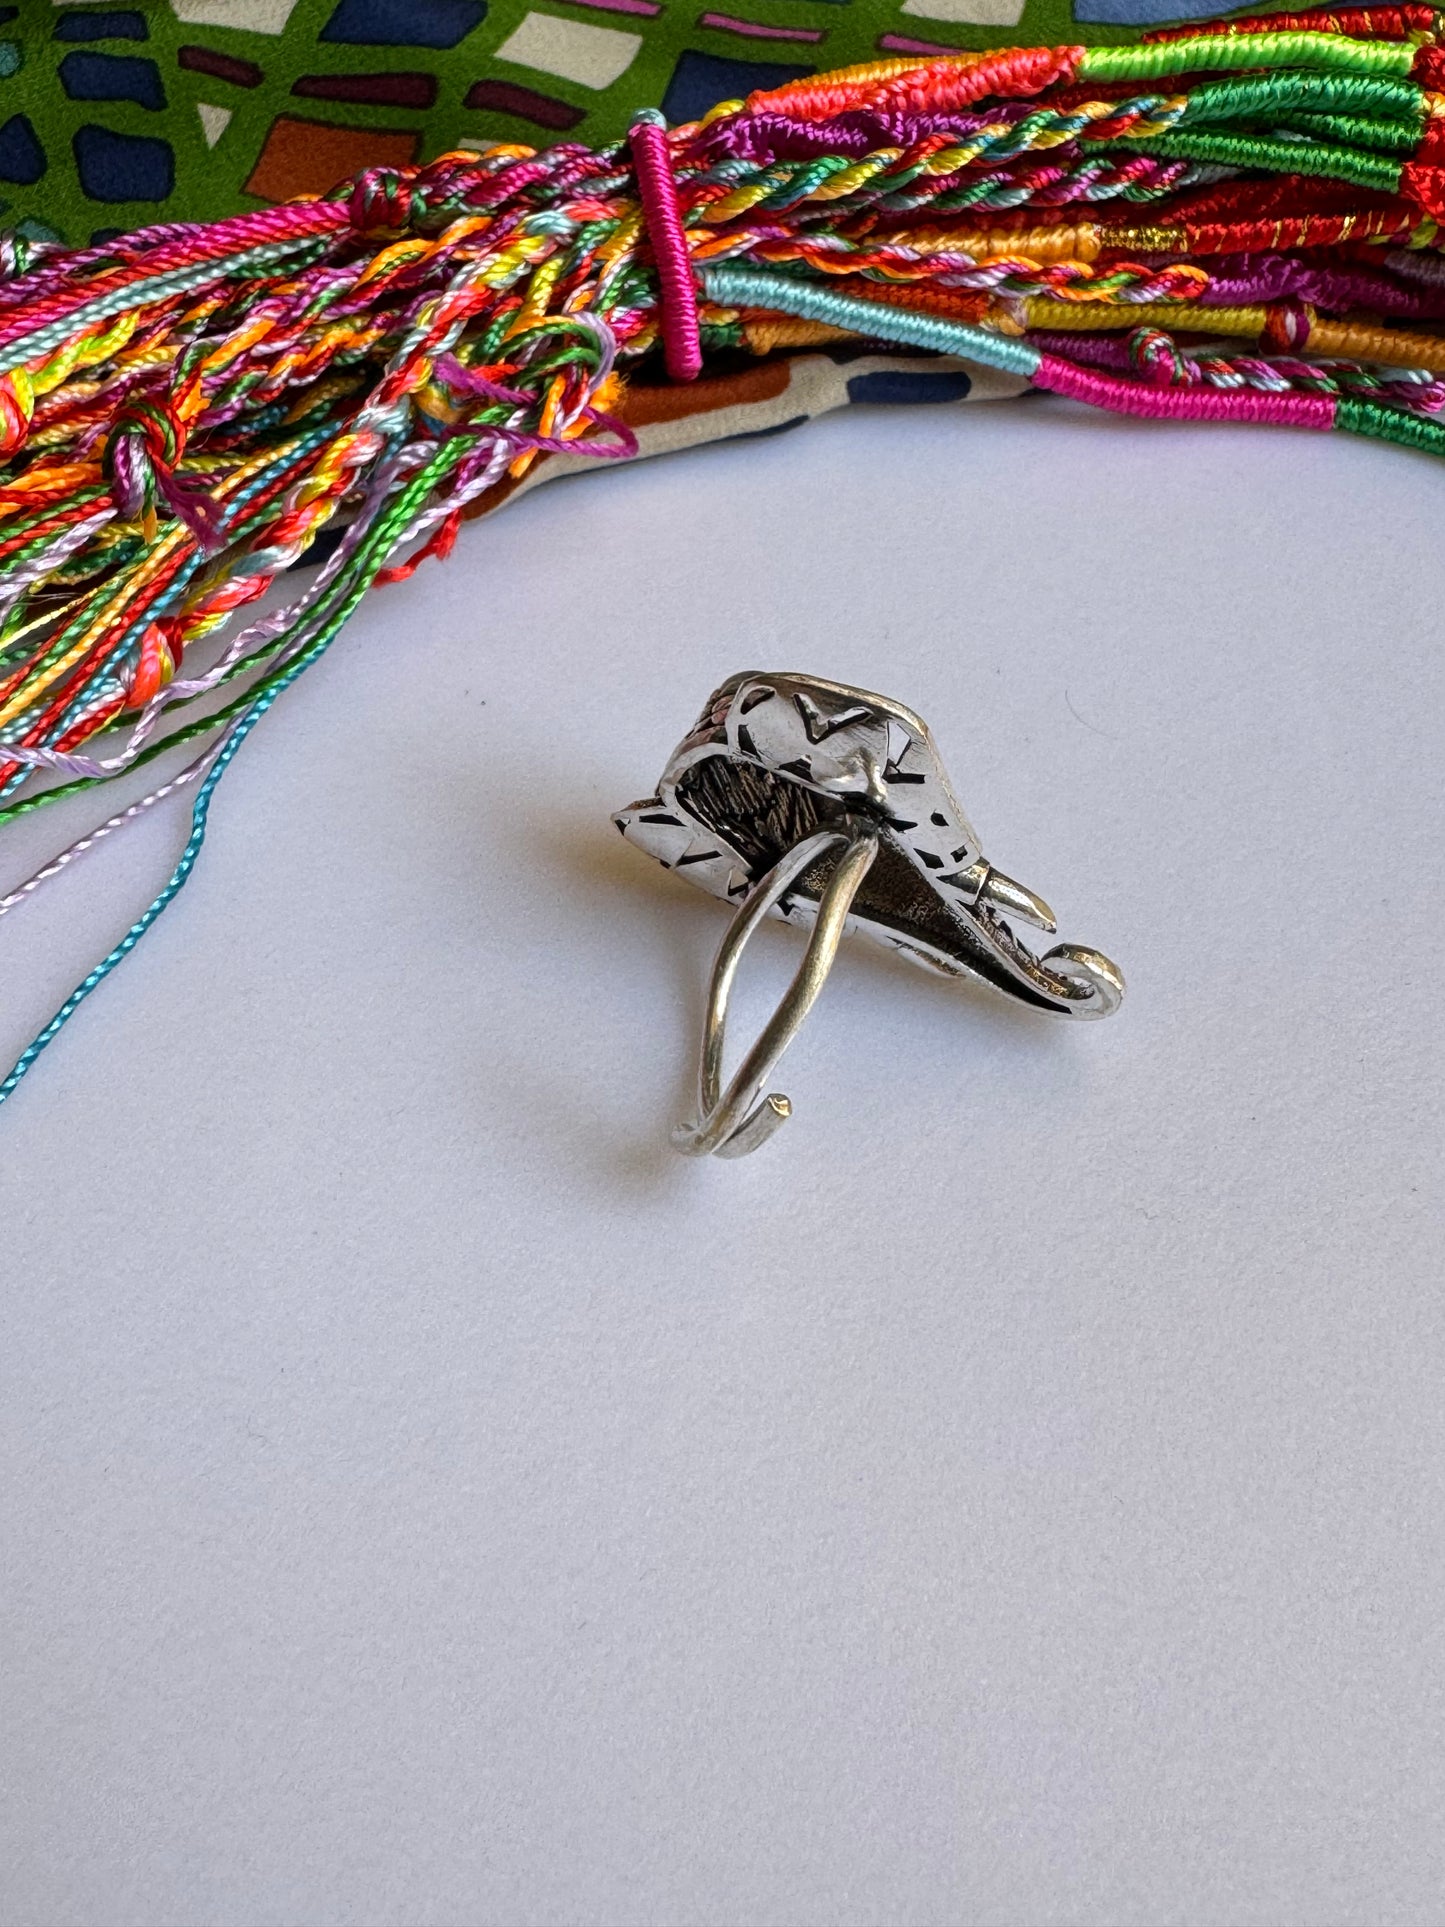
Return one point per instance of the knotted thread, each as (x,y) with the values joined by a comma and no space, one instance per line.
(143,456)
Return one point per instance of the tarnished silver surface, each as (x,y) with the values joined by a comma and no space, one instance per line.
(781,774)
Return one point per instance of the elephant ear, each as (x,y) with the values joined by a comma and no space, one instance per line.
(782,759)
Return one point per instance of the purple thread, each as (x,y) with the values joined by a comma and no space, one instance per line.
(1240,279)
(761,137)
(677,295)
(1096,351)
(1416,265)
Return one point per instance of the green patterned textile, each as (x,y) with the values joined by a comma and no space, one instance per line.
(112,117)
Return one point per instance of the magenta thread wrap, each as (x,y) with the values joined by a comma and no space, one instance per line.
(677,304)
(1191,405)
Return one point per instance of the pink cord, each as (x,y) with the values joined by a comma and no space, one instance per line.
(1182,404)
(677,302)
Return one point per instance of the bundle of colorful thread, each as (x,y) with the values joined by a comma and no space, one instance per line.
(1236,222)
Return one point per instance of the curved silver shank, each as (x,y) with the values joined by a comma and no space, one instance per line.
(733,1122)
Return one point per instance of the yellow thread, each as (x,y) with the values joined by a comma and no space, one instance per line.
(618,245)
(534,302)
(739,201)
(1043,245)
(512,261)
(1150,240)
(949,159)
(716,113)
(85,352)
(1041,312)
(396,254)
(839,185)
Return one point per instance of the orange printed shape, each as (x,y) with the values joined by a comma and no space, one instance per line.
(311,156)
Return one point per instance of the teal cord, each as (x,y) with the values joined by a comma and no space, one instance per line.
(179,878)
(739,287)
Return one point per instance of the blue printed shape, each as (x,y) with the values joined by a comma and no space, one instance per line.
(87,76)
(83,24)
(893,385)
(22,158)
(1142,13)
(404,23)
(700,81)
(763,434)
(123,167)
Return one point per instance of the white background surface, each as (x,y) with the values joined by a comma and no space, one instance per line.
(1014,1496)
